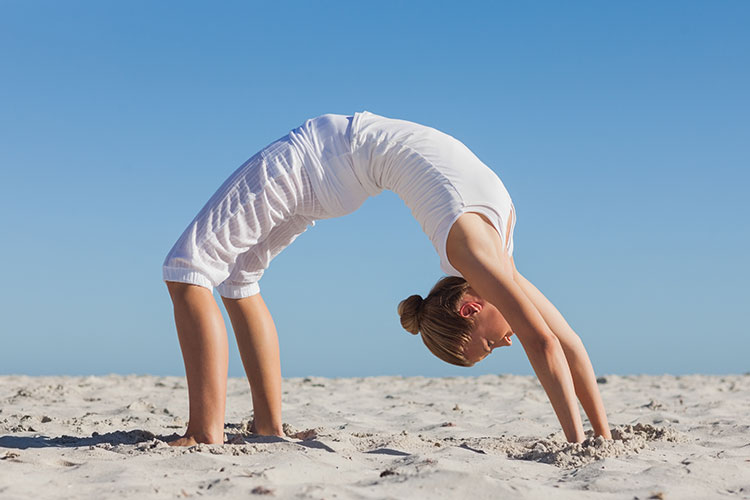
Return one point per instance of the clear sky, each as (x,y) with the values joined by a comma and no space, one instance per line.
(621,130)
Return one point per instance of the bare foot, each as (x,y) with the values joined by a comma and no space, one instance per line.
(183,441)
(193,440)
(270,431)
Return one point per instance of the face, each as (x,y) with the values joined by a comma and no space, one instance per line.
(491,330)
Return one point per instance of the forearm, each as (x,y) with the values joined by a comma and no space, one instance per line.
(578,360)
(545,355)
(553,372)
(586,387)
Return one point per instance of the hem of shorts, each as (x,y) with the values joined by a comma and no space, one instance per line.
(238,292)
(189,276)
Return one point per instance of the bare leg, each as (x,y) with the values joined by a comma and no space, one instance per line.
(203,339)
(258,343)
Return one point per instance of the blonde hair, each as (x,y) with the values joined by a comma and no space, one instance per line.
(444,330)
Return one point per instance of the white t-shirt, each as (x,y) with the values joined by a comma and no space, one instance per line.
(353,157)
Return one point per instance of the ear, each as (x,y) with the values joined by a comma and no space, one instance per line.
(469,309)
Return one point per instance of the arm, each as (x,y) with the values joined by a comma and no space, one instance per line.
(584,378)
(474,254)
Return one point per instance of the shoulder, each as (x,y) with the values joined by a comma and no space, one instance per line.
(471,239)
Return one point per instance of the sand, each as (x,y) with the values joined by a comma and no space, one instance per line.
(381,437)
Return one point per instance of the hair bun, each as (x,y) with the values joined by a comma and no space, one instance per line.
(409,310)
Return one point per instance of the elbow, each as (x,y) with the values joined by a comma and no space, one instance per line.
(576,342)
(551,344)
(546,345)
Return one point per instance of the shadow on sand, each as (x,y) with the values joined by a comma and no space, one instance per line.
(113,438)
(132,437)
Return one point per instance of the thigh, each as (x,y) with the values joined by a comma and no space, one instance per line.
(263,193)
(249,267)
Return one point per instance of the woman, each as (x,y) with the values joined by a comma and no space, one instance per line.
(327,168)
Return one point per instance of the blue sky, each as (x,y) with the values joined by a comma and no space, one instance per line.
(620,129)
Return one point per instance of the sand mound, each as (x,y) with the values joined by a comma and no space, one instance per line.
(626,440)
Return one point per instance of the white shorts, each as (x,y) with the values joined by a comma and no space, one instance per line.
(258,211)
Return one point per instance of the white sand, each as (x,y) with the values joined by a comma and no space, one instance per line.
(383,437)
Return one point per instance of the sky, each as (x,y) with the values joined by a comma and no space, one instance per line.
(621,130)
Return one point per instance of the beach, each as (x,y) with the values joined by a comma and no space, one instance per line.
(492,436)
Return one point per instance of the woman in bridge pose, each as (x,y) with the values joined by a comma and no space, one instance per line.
(327,168)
